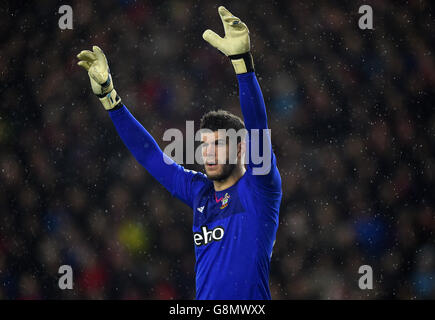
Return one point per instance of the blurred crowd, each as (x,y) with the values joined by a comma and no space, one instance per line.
(352,122)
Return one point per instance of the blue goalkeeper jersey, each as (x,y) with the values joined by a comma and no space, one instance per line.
(234,229)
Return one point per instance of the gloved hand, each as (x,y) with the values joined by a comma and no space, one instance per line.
(95,63)
(235,44)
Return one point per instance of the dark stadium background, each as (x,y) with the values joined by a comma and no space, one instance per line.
(353,128)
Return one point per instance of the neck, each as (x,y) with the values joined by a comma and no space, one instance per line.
(238,172)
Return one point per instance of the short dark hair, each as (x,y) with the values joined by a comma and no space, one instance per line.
(221,119)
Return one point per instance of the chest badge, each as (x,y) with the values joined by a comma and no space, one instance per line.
(224,200)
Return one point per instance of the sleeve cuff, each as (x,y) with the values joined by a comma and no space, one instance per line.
(243,77)
(118,109)
(242,63)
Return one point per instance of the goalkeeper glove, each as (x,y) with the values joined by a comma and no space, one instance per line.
(95,63)
(235,44)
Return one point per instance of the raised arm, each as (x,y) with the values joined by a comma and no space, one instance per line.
(178,181)
(236,45)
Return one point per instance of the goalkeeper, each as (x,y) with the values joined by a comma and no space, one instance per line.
(235,209)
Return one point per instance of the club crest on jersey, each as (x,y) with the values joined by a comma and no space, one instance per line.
(225,200)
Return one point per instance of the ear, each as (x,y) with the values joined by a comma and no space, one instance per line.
(241,148)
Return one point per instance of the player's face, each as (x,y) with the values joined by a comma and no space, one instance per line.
(216,154)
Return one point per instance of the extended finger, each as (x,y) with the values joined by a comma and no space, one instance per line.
(86,65)
(99,53)
(87,55)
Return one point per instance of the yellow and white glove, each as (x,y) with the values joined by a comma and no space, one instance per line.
(235,44)
(95,63)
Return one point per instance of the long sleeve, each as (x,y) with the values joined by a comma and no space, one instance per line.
(265,173)
(178,181)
